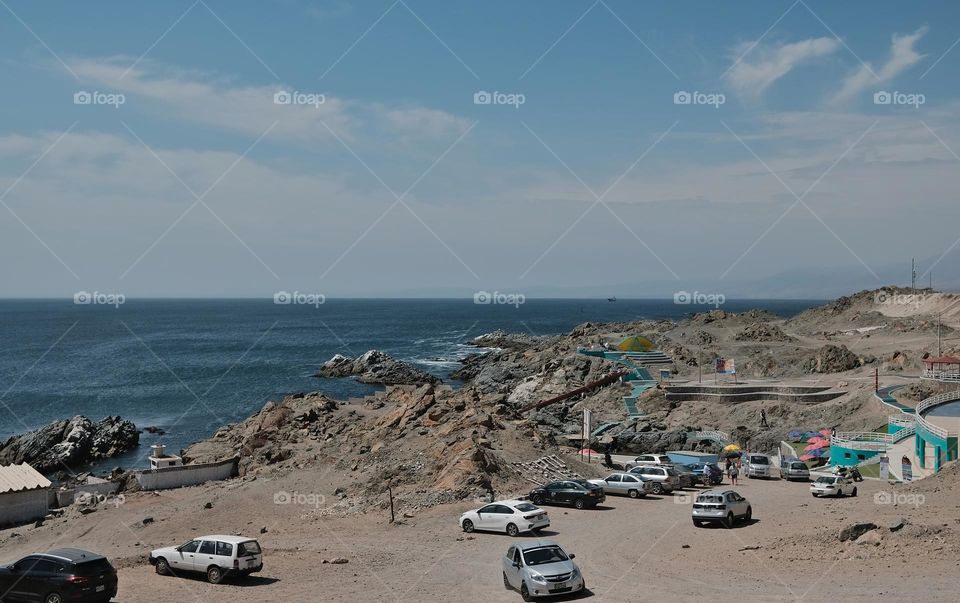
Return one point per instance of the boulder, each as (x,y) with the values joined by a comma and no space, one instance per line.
(833,359)
(70,443)
(377,368)
(855,530)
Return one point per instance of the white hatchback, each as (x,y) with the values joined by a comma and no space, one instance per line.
(509,516)
(832,485)
(217,556)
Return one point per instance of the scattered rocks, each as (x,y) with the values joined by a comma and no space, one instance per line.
(70,443)
(146,521)
(872,537)
(834,359)
(336,561)
(898,525)
(375,367)
(761,331)
(855,530)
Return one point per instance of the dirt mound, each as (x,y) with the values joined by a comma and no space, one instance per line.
(761,331)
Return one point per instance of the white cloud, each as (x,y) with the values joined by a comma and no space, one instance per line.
(902,57)
(761,66)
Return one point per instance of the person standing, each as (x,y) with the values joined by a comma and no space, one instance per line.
(734,472)
(763,418)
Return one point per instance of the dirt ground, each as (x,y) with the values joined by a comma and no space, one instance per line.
(627,549)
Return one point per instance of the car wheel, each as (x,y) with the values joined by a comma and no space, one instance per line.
(657,488)
(536,499)
(162,567)
(579,503)
(854,493)
(813,494)
(506,583)
(525,592)
(53,598)
(697,523)
(512,530)
(729,521)
(633,494)
(467,526)
(749,514)
(214,575)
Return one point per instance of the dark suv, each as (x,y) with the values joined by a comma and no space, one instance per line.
(59,576)
(577,492)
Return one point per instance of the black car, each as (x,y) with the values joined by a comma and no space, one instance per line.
(59,576)
(577,492)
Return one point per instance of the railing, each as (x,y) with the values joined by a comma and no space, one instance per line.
(951,376)
(904,433)
(862,440)
(719,436)
(930,403)
(901,421)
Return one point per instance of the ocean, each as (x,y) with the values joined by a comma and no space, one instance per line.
(190,366)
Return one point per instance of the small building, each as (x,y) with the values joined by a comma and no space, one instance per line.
(941,368)
(24,494)
(159,459)
(690,457)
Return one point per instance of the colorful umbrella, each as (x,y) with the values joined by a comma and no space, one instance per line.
(732,448)
(636,344)
(811,448)
(795,435)
(588,451)
(807,457)
(826,432)
(821,452)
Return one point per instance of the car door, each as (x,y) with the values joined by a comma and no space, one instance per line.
(612,484)
(553,492)
(733,504)
(498,516)
(485,517)
(224,554)
(206,556)
(185,560)
(570,492)
(629,482)
(21,584)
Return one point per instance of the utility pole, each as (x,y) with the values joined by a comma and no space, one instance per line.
(699,363)
(913,273)
(939,353)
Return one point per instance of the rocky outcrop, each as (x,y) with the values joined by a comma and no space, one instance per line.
(834,359)
(377,368)
(761,331)
(69,444)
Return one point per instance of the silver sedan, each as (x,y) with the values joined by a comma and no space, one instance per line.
(627,484)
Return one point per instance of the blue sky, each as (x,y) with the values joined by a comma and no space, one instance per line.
(315,198)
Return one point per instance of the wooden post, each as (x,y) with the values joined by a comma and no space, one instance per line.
(390,492)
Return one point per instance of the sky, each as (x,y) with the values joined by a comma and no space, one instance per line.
(425,148)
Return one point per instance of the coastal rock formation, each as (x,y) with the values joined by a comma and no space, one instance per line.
(68,444)
(834,359)
(377,368)
(761,331)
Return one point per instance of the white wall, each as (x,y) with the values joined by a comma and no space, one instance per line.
(186,475)
(23,507)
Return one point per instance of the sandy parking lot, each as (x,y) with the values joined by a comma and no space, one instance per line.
(628,550)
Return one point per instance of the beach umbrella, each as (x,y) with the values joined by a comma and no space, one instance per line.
(811,448)
(588,451)
(636,343)
(807,457)
(819,452)
(732,448)
(795,435)
(826,432)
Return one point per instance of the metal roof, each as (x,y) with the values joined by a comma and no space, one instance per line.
(17,478)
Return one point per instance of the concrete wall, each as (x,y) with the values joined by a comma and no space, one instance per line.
(18,508)
(62,498)
(186,475)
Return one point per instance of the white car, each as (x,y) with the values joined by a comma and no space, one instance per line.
(758,465)
(648,459)
(509,516)
(724,506)
(217,556)
(624,483)
(832,485)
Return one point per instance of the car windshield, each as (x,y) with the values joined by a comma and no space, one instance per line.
(710,498)
(524,507)
(759,460)
(671,471)
(93,568)
(582,483)
(546,554)
(798,466)
(826,480)
(250,547)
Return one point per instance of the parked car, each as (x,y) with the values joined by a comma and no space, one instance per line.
(510,516)
(790,470)
(216,556)
(577,492)
(688,477)
(540,568)
(758,465)
(832,485)
(708,474)
(663,480)
(648,459)
(624,483)
(59,575)
(724,506)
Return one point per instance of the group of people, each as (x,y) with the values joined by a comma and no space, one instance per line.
(733,469)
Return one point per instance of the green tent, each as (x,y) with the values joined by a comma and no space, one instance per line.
(635,343)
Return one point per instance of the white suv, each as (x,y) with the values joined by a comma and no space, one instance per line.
(649,459)
(216,556)
(758,465)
